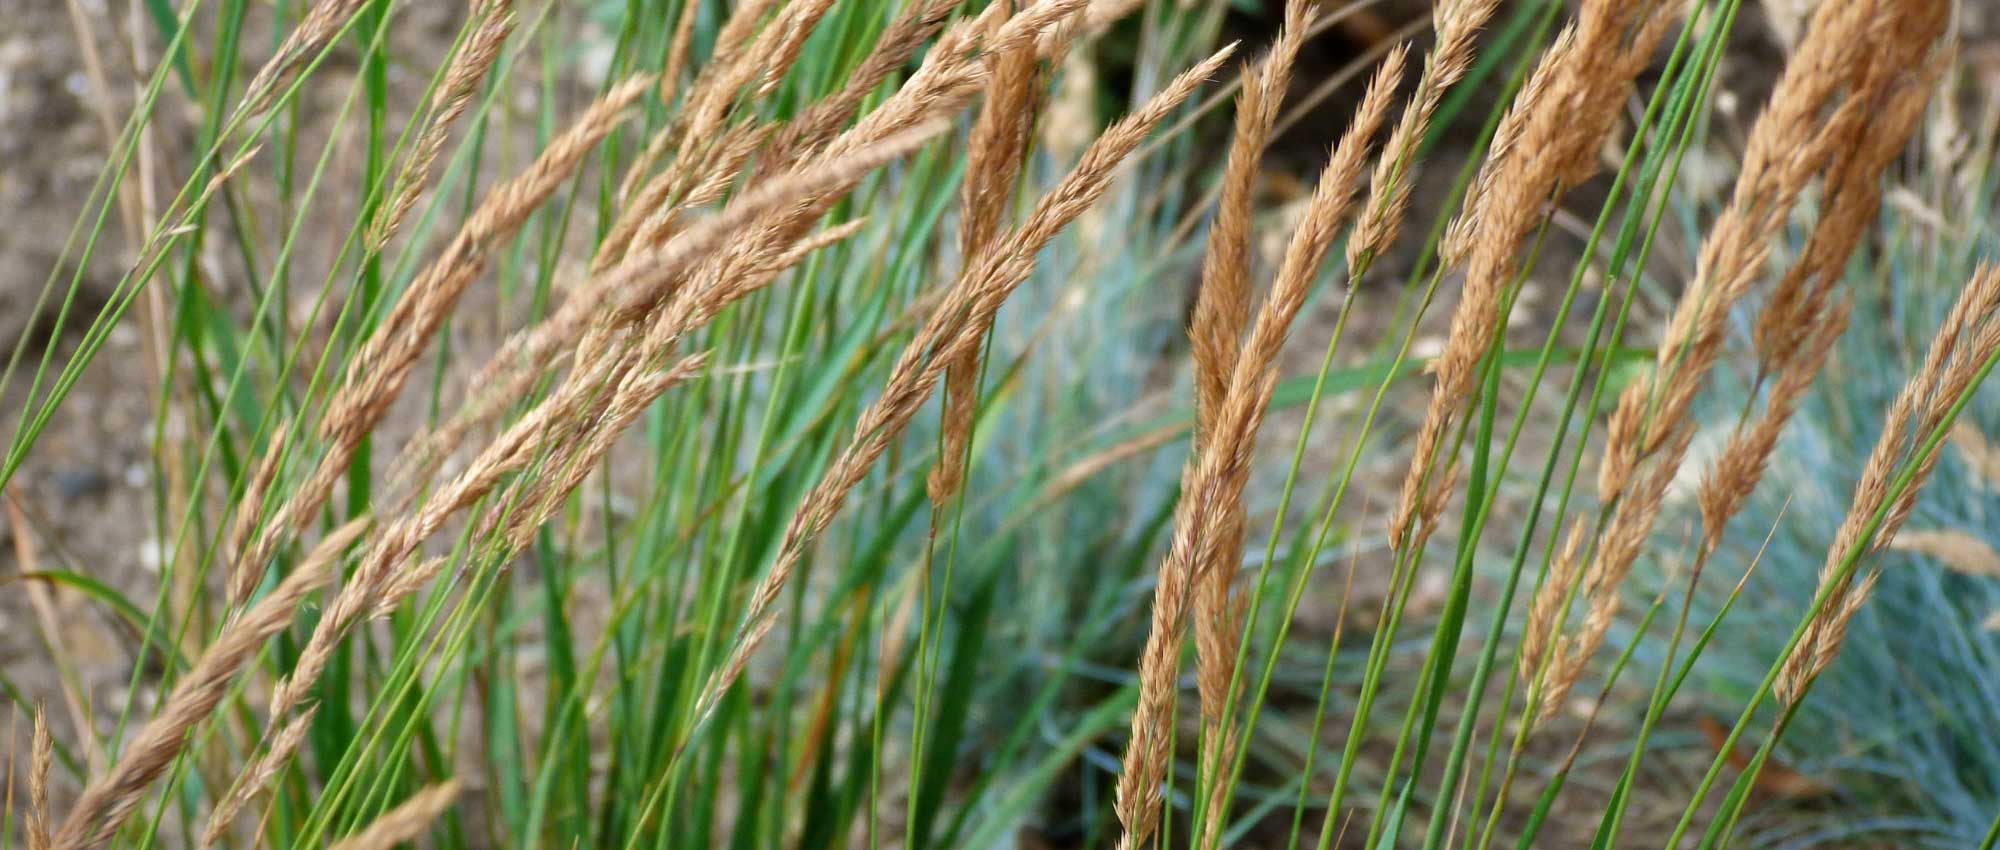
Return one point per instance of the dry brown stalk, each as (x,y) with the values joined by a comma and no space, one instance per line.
(404,583)
(914,25)
(1969,336)
(1330,209)
(41,760)
(27,559)
(727,156)
(972,300)
(1221,313)
(109,800)
(1735,473)
(250,512)
(677,53)
(711,153)
(1618,545)
(579,456)
(1103,13)
(1958,550)
(406,821)
(638,191)
(1457,24)
(1547,141)
(377,587)
(739,30)
(627,292)
(384,359)
(1222,304)
(1979,455)
(696,97)
(326,20)
(813,243)
(1208,479)
(1797,328)
(704,170)
(461,82)
(1219,321)
(1213,480)
(1823,638)
(729,69)
(952,72)
(383,364)
(1555,593)
(784,50)
(1853,194)
(256,776)
(1955,359)
(948,77)
(995,154)
(656,195)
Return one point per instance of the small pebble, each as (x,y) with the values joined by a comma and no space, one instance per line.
(73,483)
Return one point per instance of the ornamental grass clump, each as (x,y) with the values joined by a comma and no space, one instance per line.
(788,426)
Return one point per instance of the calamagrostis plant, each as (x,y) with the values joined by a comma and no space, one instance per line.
(107,801)
(1212,481)
(1896,471)
(462,79)
(327,20)
(665,274)
(636,279)
(257,775)
(40,828)
(1844,108)
(1848,100)
(734,189)
(382,366)
(406,821)
(995,155)
(586,412)
(954,328)
(1222,310)
(637,310)
(1547,141)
